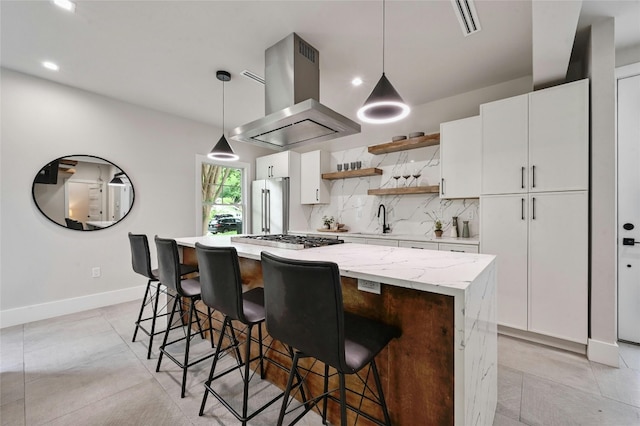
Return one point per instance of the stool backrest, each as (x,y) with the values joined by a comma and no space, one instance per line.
(169,264)
(140,255)
(220,280)
(304,309)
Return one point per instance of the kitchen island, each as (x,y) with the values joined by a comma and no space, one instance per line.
(443,369)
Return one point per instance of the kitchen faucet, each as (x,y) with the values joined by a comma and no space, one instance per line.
(385,228)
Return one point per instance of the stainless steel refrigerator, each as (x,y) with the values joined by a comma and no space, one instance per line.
(270,206)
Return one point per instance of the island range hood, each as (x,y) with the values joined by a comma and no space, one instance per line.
(294,117)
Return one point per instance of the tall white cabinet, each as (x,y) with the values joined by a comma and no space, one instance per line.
(534,208)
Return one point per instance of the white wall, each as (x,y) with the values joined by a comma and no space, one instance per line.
(43,263)
(601,66)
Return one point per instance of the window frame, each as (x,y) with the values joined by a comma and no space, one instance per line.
(246,170)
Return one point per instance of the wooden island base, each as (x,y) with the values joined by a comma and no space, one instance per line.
(417,369)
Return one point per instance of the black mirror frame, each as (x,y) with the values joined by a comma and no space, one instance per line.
(56,162)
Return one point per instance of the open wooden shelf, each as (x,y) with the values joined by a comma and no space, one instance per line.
(371,171)
(433,189)
(403,145)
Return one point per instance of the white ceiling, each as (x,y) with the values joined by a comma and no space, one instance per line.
(164,54)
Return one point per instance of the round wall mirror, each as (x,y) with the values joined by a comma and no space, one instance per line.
(83,192)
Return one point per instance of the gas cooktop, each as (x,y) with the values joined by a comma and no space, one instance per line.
(295,242)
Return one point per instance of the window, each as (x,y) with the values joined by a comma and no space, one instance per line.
(222,197)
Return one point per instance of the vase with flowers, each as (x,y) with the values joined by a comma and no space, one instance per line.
(327,220)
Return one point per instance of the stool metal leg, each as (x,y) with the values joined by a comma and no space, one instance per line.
(287,391)
(245,393)
(186,350)
(343,400)
(383,403)
(153,320)
(260,348)
(325,391)
(166,334)
(213,366)
(144,301)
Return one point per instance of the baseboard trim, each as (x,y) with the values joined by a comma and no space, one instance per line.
(25,314)
(604,353)
(543,340)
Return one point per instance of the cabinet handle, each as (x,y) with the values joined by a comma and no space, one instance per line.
(458,251)
(533,208)
(533,176)
(317,199)
(522,209)
(270,171)
(442,185)
(522,177)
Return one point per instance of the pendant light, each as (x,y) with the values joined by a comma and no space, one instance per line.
(222,151)
(117,180)
(384,104)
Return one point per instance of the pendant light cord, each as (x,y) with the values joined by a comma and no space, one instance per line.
(383,33)
(223,107)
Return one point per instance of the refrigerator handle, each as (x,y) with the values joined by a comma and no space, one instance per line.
(268,209)
(262,200)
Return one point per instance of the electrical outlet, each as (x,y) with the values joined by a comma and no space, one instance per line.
(369,286)
(95,272)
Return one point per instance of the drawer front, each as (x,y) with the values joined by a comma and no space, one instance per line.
(463,248)
(418,245)
(381,242)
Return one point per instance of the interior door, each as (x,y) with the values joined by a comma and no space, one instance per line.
(629,209)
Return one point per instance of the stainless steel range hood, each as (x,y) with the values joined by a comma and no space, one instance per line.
(294,117)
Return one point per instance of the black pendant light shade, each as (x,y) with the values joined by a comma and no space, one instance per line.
(223,151)
(384,104)
(117,180)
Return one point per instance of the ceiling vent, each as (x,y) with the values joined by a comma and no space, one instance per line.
(253,76)
(467,16)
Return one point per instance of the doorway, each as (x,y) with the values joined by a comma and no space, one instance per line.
(628,95)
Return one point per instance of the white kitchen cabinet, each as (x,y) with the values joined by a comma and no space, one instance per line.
(314,189)
(503,230)
(273,166)
(538,142)
(460,248)
(381,242)
(558,264)
(559,138)
(418,245)
(541,244)
(504,145)
(460,153)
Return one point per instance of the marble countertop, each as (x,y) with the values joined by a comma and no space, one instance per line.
(442,272)
(391,236)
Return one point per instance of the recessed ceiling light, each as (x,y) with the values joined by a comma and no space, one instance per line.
(356,81)
(50,65)
(65,4)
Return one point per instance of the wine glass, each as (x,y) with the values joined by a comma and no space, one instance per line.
(416,175)
(406,175)
(396,176)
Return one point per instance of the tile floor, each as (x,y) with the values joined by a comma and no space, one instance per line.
(54,372)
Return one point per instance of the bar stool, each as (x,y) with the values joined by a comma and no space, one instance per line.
(187,289)
(222,290)
(141,262)
(304,309)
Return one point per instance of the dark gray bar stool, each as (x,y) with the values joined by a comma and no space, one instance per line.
(187,289)
(222,290)
(141,262)
(304,309)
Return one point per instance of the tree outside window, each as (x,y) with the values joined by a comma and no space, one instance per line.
(222,208)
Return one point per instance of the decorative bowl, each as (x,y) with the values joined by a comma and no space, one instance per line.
(398,138)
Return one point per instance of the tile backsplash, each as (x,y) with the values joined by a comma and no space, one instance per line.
(406,214)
